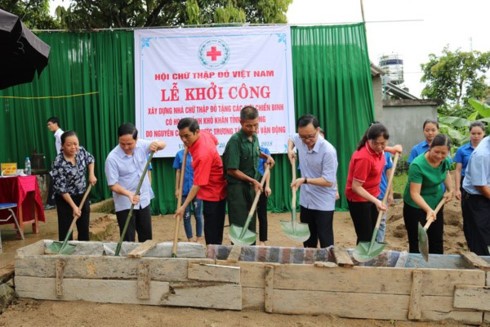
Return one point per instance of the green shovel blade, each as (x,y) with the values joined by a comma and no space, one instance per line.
(241,236)
(366,251)
(58,248)
(296,231)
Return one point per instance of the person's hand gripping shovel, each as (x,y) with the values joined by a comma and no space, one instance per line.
(366,251)
(422,232)
(65,248)
(298,232)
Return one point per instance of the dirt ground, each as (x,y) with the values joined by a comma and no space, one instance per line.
(27,312)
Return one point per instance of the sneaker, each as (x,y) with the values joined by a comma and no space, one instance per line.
(49,207)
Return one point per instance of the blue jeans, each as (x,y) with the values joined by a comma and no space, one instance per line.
(195,204)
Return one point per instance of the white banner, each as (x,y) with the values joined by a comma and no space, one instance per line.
(210,74)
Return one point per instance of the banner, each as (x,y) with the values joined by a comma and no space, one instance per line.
(210,74)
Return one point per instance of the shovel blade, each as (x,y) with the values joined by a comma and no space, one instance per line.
(58,248)
(239,235)
(366,251)
(298,232)
(423,242)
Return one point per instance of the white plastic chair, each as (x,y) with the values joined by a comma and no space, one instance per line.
(10,207)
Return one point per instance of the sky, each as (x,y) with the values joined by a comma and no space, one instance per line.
(410,28)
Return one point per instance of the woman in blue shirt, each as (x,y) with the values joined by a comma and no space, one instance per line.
(431,129)
(477,132)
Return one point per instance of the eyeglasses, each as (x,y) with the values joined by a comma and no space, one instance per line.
(308,137)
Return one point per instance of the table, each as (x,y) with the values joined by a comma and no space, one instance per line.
(23,190)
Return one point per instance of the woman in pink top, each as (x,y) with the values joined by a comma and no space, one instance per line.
(363,179)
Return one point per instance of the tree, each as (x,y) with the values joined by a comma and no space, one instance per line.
(89,14)
(34,13)
(454,77)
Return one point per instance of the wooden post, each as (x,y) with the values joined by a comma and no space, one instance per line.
(269,288)
(60,270)
(414,306)
(143,281)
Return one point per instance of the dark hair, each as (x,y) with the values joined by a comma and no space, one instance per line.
(188,122)
(372,133)
(307,119)
(127,128)
(54,120)
(477,124)
(67,134)
(430,121)
(441,140)
(248,113)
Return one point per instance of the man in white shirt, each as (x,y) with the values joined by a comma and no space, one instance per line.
(53,126)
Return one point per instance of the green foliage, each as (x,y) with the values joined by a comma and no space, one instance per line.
(89,14)
(399,183)
(454,77)
(34,13)
(457,127)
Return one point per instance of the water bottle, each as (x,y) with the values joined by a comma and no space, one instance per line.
(27,169)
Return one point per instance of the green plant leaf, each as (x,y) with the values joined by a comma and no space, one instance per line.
(482,109)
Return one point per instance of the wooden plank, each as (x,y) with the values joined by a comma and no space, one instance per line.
(342,258)
(372,279)
(486,317)
(472,297)
(142,249)
(60,269)
(436,308)
(192,294)
(414,308)
(144,280)
(214,273)
(269,288)
(351,305)
(105,267)
(253,298)
(252,274)
(475,261)
(36,248)
(234,255)
(6,273)
(205,295)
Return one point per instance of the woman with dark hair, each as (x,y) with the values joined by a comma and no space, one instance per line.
(363,179)
(477,133)
(431,129)
(424,191)
(69,184)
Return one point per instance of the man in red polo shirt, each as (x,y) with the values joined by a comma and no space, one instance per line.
(209,182)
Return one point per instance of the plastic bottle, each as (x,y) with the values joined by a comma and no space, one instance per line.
(27,169)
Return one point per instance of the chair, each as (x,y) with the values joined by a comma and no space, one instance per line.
(9,207)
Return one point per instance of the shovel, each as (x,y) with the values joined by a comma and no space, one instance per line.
(179,203)
(130,214)
(422,233)
(65,248)
(242,235)
(299,232)
(366,251)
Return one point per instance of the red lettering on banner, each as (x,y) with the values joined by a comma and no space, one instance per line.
(152,111)
(264,73)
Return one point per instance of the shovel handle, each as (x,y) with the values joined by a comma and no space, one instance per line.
(293,174)
(439,206)
(179,202)
(388,186)
(255,202)
(74,220)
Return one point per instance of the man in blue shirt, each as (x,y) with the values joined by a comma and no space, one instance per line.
(318,164)
(196,204)
(123,168)
(476,205)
